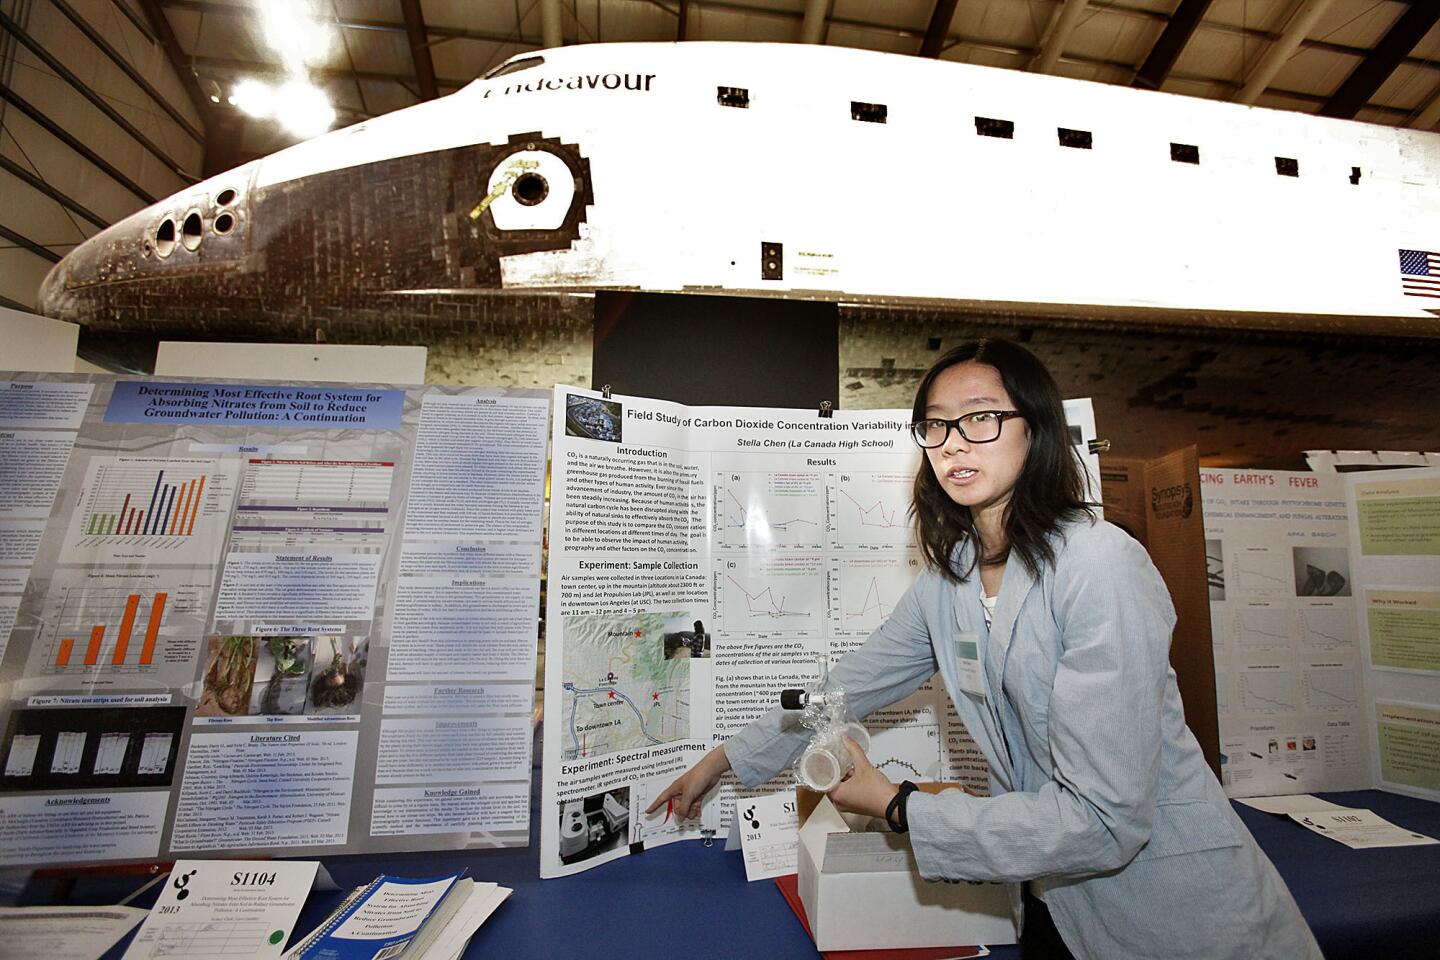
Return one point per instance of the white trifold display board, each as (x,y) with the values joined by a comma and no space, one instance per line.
(265,618)
(702,559)
(1325,612)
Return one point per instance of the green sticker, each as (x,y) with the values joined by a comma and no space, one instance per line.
(277,937)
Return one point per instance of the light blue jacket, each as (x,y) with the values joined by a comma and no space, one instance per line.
(1098,787)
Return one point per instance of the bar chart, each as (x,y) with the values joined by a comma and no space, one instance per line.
(170,508)
(92,629)
(144,501)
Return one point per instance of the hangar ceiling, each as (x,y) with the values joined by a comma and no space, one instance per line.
(1372,60)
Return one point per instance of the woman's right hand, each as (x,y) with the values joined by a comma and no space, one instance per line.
(687,794)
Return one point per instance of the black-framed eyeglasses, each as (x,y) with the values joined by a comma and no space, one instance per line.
(982,426)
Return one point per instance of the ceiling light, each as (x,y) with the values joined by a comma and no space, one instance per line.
(303,109)
(295,33)
(254,97)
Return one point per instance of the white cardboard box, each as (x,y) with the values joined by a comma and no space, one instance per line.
(863,891)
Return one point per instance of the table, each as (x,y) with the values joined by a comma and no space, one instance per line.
(689,901)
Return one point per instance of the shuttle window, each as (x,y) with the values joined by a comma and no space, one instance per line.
(514,66)
(225,197)
(1287,166)
(989,127)
(1184,153)
(868,112)
(165,237)
(732,97)
(224,223)
(190,230)
(1079,139)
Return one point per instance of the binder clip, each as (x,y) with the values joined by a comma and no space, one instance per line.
(605,391)
(826,409)
(709,836)
(1099,446)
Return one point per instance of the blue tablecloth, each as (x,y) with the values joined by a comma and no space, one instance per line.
(687,900)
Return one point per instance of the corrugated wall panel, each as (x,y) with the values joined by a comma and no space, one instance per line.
(30,214)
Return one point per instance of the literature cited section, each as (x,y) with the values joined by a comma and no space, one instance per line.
(261,618)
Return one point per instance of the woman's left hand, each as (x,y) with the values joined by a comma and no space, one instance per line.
(864,790)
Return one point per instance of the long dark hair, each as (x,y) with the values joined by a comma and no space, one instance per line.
(1049,491)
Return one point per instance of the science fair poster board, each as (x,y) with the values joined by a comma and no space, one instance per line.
(261,618)
(1325,612)
(702,559)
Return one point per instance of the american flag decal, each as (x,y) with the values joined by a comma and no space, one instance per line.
(1420,273)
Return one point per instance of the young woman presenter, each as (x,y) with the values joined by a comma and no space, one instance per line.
(1051,631)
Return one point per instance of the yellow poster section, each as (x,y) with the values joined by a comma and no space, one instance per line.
(1409,744)
(1399,518)
(1404,628)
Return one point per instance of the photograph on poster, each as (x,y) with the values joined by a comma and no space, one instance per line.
(337,675)
(1322,571)
(593,825)
(593,419)
(1215,568)
(281,672)
(88,748)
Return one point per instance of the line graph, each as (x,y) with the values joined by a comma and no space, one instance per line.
(864,591)
(775,595)
(1258,572)
(1267,690)
(1262,627)
(763,509)
(1330,688)
(1327,626)
(909,752)
(872,509)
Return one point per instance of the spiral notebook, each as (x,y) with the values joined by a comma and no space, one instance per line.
(388,919)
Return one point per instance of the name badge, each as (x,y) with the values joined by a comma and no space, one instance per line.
(967,657)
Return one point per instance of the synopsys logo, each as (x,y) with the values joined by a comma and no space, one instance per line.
(181,882)
(1177,500)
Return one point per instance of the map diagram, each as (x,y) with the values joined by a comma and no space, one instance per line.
(620,693)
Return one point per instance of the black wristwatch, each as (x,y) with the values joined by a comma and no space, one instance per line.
(895,812)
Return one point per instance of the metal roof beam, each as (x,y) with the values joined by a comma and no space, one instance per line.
(1056,35)
(938,29)
(1374,70)
(816,21)
(552,33)
(1171,44)
(223,132)
(40,186)
(420,48)
(1281,50)
(65,137)
(97,101)
(125,67)
(25,243)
